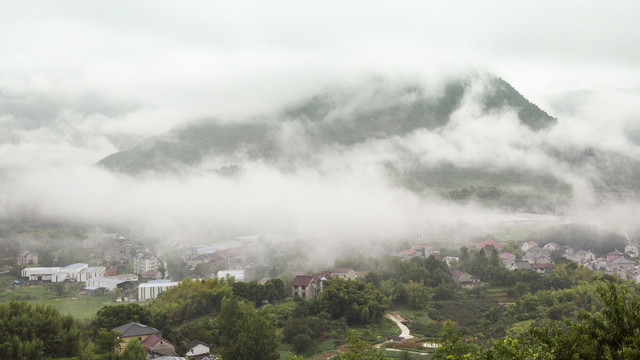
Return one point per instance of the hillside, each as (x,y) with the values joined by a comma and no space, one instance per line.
(343,116)
(469,139)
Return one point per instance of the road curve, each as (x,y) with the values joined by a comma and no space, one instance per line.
(405,334)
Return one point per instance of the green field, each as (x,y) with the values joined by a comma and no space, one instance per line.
(81,307)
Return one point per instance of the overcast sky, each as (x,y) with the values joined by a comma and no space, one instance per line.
(237,57)
(80,80)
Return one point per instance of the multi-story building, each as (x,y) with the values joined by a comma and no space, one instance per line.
(304,287)
(143,262)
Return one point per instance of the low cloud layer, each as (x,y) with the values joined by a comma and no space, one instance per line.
(82,81)
(344,193)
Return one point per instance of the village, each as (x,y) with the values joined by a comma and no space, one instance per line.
(138,274)
(134,273)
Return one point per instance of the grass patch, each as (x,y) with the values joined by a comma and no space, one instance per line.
(34,292)
(326,345)
(380,332)
(414,315)
(284,351)
(83,307)
(498,289)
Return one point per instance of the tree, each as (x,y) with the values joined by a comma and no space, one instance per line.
(373,278)
(30,332)
(203,270)
(418,295)
(364,315)
(451,344)
(346,298)
(618,327)
(301,343)
(134,351)
(112,316)
(107,340)
(358,349)
(245,333)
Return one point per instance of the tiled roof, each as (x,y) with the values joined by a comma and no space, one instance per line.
(488,242)
(302,280)
(193,343)
(135,329)
(457,273)
(150,341)
(342,270)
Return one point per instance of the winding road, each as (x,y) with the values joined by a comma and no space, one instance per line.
(405,334)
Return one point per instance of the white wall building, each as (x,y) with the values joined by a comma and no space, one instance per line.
(69,272)
(40,273)
(111,282)
(90,272)
(151,290)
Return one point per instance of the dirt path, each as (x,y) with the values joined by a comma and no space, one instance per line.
(404,331)
(405,334)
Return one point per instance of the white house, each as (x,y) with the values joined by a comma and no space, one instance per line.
(196,349)
(150,290)
(528,245)
(345,273)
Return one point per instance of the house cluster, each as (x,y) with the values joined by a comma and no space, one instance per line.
(535,258)
(538,258)
(616,263)
(97,279)
(309,286)
(158,347)
(423,251)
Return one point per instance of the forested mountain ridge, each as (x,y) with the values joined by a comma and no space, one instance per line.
(340,116)
(473,138)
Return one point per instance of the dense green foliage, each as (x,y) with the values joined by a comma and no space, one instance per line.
(245,333)
(190,299)
(113,316)
(28,332)
(610,331)
(352,300)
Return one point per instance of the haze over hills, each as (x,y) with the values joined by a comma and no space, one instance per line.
(338,117)
(402,128)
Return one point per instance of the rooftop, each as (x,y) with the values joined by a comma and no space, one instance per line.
(76,266)
(302,280)
(135,329)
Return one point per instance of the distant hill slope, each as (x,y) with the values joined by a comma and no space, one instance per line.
(344,116)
